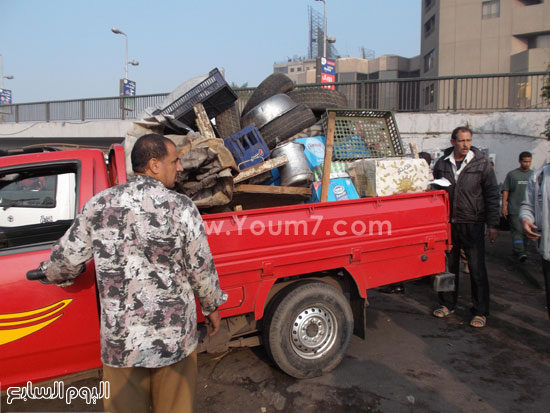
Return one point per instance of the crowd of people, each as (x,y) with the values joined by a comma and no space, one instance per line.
(474,196)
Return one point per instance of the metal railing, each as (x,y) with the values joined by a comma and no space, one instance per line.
(495,92)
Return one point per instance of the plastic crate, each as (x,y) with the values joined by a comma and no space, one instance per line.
(214,93)
(362,133)
(247,147)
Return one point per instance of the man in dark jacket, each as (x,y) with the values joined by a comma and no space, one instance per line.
(474,198)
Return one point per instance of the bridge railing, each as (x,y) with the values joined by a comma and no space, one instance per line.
(494,92)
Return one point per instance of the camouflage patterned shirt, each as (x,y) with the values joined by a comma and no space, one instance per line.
(151,258)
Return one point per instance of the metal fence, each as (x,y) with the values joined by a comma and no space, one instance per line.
(495,92)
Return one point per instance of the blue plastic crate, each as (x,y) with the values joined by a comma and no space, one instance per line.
(247,147)
(213,92)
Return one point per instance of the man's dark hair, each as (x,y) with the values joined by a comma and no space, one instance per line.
(148,147)
(461,129)
(524,155)
(426,156)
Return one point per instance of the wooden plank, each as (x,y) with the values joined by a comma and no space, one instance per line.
(260,168)
(203,123)
(325,182)
(267,189)
(264,196)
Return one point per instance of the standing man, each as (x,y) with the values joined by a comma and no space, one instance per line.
(474,199)
(513,192)
(152,258)
(535,214)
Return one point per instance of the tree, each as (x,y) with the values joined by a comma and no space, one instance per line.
(235,86)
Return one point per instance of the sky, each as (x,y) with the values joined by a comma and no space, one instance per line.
(64,49)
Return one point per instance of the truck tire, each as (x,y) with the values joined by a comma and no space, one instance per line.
(308,329)
(228,122)
(287,125)
(318,99)
(271,85)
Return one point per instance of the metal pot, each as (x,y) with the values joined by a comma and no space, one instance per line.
(271,108)
(296,172)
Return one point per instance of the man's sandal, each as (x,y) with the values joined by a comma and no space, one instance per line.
(478,321)
(442,312)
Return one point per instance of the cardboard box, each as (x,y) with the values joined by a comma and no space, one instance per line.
(382,177)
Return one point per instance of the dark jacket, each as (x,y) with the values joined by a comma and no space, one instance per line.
(475,197)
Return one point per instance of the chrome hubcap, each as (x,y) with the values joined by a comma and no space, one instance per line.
(313,332)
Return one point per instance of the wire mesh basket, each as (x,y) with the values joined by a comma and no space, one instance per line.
(362,133)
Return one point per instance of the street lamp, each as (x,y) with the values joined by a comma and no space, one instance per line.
(126,62)
(324,27)
(2,76)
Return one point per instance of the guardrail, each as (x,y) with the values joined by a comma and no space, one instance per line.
(494,92)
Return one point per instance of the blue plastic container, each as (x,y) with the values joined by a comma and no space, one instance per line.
(247,147)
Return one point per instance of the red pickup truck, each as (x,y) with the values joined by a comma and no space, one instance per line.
(297,276)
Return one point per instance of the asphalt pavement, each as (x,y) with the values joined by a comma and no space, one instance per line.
(410,361)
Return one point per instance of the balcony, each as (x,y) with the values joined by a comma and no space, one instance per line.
(529,19)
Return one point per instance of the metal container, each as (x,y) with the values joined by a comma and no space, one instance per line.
(296,172)
(268,110)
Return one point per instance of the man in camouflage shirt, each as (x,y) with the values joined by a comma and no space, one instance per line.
(152,258)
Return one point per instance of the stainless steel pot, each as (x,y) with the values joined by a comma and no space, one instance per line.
(271,108)
(296,172)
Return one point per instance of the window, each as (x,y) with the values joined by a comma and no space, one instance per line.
(429,61)
(298,69)
(292,69)
(490,9)
(281,70)
(531,2)
(428,4)
(429,26)
(36,205)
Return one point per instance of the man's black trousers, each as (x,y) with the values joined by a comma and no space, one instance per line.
(470,238)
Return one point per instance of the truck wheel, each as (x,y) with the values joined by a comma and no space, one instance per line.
(228,122)
(309,329)
(270,86)
(318,99)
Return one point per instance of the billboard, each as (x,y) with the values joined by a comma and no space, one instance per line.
(5,97)
(326,71)
(127,89)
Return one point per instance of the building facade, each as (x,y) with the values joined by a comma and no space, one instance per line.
(480,37)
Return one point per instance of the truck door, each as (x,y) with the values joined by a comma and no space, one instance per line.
(45,331)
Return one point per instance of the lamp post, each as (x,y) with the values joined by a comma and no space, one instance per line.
(324,27)
(126,62)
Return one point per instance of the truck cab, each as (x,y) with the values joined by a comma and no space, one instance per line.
(45,331)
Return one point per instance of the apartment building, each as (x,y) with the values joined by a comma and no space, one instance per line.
(479,37)
(471,37)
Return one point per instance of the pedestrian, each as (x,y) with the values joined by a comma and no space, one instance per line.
(513,192)
(474,201)
(151,258)
(535,214)
(427,157)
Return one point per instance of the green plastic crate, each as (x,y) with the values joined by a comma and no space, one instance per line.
(364,133)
